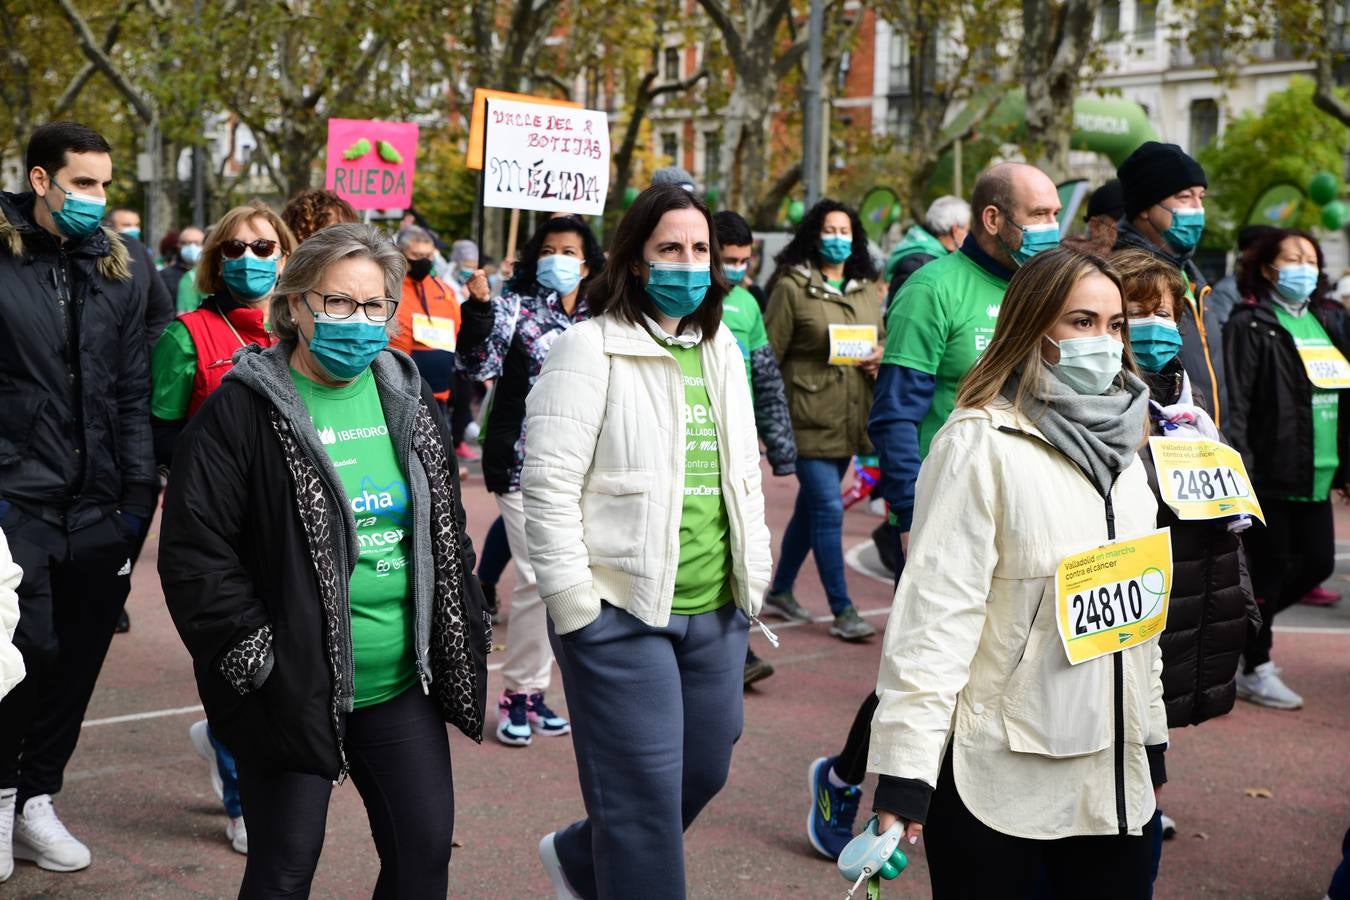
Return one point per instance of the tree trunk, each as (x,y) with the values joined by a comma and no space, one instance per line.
(1056,38)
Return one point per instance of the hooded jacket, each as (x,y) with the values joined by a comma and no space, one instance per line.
(74,374)
(917,248)
(258,547)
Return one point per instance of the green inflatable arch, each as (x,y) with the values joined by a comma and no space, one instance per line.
(1111,126)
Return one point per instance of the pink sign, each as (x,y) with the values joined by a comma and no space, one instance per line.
(370,163)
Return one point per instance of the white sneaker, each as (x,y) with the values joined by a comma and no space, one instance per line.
(1169,827)
(40,837)
(1264,688)
(548,855)
(238,835)
(7,798)
(201,742)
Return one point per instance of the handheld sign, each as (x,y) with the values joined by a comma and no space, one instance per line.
(1114,597)
(850,344)
(370,163)
(1201,479)
(545,158)
(473,158)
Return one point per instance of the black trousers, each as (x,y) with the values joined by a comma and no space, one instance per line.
(462,395)
(74,585)
(400,763)
(1291,554)
(968,860)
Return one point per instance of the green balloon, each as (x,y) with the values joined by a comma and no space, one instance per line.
(1323,188)
(629,195)
(796,212)
(1335,215)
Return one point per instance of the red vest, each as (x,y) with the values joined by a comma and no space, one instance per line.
(216,342)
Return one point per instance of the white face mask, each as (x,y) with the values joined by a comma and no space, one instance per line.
(1088,365)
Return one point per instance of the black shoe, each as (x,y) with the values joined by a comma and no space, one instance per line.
(885,544)
(123,623)
(756,669)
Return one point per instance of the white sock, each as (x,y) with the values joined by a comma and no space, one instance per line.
(835,780)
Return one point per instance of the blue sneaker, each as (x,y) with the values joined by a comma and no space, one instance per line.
(829,827)
(513,720)
(544,720)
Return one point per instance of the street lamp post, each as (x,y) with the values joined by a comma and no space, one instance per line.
(812,124)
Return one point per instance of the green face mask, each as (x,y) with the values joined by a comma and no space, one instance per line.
(80,215)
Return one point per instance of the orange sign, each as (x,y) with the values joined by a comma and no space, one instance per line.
(474,160)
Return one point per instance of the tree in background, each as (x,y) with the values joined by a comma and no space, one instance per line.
(1055,51)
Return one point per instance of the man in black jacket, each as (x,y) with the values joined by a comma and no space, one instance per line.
(77,474)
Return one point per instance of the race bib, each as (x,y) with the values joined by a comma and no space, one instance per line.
(1114,597)
(1202,479)
(1326,367)
(850,344)
(434,331)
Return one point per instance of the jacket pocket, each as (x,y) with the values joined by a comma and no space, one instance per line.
(810,398)
(20,413)
(1051,708)
(614,509)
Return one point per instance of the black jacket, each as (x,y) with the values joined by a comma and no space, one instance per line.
(160,306)
(1270,420)
(74,423)
(171,274)
(1211,611)
(257,549)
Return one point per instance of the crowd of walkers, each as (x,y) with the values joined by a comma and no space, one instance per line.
(298,391)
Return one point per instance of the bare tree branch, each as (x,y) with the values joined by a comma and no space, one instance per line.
(143,107)
(730,35)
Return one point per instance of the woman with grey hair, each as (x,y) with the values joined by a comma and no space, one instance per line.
(315,561)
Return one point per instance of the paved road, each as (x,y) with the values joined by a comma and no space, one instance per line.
(138,795)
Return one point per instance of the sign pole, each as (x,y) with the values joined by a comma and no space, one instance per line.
(511,235)
(482,178)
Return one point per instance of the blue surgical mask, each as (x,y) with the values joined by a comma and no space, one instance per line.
(344,348)
(1186,228)
(134,233)
(558,273)
(80,215)
(464,275)
(1035,239)
(1088,365)
(1155,342)
(249,277)
(735,274)
(836,248)
(1296,283)
(190,253)
(678,289)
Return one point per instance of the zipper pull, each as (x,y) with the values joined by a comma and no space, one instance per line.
(424,678)
(773,638)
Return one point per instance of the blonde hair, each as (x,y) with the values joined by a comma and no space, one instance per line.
(1035,297)
(209,280)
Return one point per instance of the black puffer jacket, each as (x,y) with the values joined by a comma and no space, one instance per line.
(1270,398)
(1211,610)
(74,425)
(258,547)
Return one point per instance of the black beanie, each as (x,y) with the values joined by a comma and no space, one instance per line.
(1106,201)
(1154,172)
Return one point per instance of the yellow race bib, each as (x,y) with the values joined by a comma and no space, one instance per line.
(1326,367)
(850,344)
(1201,479)
(435,332)
(1114,597)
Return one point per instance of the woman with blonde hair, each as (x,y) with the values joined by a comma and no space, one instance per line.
(1014,762)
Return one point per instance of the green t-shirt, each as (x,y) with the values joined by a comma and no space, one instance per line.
(351,425)
(701,582)
(836,283)
(1308,332)
(743,319)
(173,367)
(189,298)
(940,323)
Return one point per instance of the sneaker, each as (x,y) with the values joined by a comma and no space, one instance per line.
(829,826)
(1169,827)
(1264,688)
(238,835)
(756,669)
(465,452)
(124,622)
(548,855)
(785,606)
(885,544)
(40,837)
(513,720)
(849,626)
(201,742)
(7,798)
(544,720)
(1320,596)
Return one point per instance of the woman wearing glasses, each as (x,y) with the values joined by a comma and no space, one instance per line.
(315,561)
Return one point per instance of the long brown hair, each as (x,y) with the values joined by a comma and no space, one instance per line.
(1033,302)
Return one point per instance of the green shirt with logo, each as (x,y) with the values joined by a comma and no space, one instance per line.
(940,323)
(743,319)
(1308,332)
(350,422)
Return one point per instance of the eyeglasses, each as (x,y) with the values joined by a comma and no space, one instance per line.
(340,306)
(234,248)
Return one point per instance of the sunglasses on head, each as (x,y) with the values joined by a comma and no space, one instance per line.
(234,248)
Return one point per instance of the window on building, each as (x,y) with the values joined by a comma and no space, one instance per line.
(898,76)
(712,158)
(1204,124)
(672,64)
(1145,19)
(1109,21)
(898,117)
(670,147)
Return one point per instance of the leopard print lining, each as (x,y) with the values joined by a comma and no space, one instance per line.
(242,664)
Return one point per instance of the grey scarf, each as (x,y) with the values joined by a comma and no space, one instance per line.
(1100,434)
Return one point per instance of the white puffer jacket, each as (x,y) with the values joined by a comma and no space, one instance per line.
(11,661)
(603,480)
(1040,749)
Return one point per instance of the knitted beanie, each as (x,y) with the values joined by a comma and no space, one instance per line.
(1155,172)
